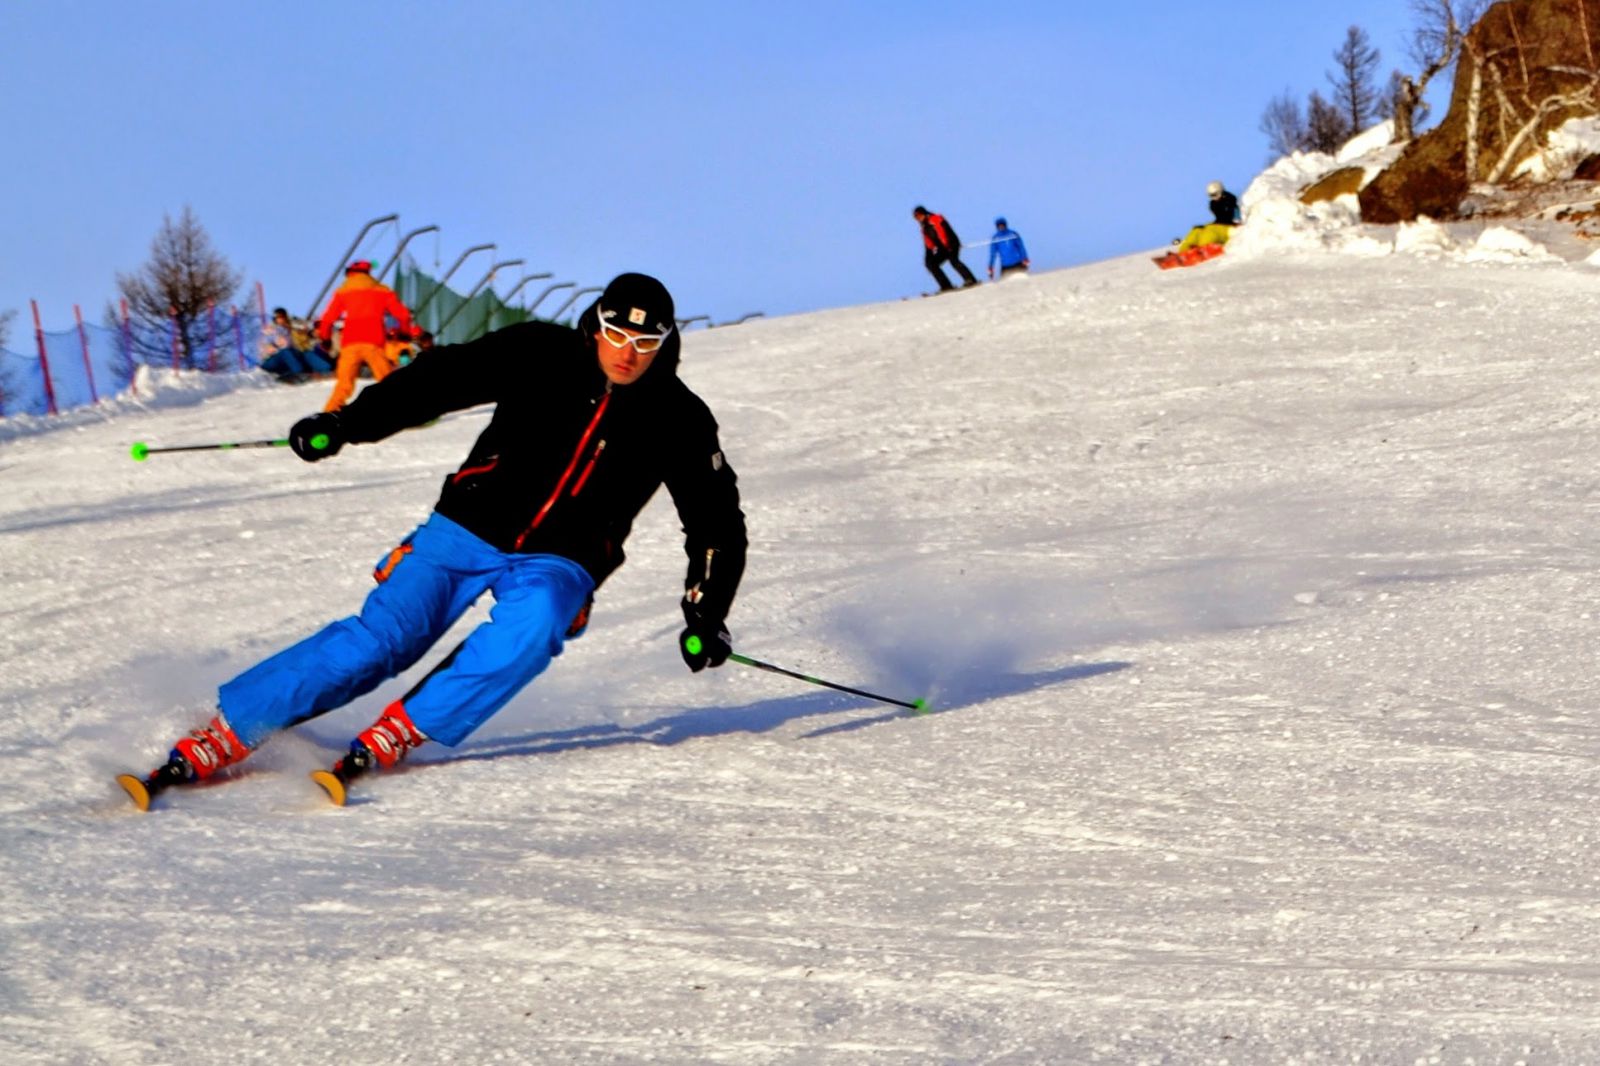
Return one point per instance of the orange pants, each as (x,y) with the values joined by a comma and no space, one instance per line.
(351,356)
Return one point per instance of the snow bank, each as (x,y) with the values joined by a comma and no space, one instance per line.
(1423,237)
(1497,244)
(152,389)
(1276,222)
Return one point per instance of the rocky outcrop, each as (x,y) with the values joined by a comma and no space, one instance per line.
(1527,67)
(1339,183)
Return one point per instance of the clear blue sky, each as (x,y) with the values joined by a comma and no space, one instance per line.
(756,157)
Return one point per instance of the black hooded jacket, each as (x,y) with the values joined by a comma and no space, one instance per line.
(568,459)
(1225,208)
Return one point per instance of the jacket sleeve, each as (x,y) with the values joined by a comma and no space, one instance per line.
(705,491)
(447,378)
(401,313)
(330,316)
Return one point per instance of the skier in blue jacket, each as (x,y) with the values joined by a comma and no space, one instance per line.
(1007,248)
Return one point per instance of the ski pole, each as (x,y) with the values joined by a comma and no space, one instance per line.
(140,450)
(918,706)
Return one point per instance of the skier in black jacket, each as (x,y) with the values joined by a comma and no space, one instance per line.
(941,245)
(588,423)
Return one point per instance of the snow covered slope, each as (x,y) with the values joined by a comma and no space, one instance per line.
(1256,602)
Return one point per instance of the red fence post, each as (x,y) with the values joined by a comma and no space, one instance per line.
(261,301)
(88,367)
(44,361)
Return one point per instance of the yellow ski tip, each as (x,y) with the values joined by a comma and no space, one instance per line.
(136,790)
(331,785)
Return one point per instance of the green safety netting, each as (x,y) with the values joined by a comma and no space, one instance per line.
(435,306)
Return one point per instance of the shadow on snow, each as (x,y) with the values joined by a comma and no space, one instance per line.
(766,715)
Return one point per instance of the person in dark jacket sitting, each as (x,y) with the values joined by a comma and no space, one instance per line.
(1224,216)
(588,423)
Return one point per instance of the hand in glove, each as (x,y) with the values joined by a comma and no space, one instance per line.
(316,436)
(703,643)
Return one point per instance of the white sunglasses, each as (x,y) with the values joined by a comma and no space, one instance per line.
(617,337)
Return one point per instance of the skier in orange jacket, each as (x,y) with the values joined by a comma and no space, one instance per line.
(363,301)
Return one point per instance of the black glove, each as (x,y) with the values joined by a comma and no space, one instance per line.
(703,642)
(316,436)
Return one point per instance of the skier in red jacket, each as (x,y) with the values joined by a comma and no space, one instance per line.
(363,301)
(942,244)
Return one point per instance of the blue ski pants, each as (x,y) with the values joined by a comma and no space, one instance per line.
(424,586)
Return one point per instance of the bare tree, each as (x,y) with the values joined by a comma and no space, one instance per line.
(1436,39)
(1355,62)
(5,326)
(1327,125)
(178,292)
(1285,126)
(1435,45)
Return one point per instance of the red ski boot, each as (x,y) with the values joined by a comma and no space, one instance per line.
(210,748)
(380,746)
(194,758)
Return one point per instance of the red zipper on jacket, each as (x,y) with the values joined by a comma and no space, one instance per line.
(599,447)
(471,470)
(566,475)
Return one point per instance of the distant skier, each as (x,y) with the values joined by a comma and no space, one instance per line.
(1007,249)
(942,246)
(363,302)
(588,423)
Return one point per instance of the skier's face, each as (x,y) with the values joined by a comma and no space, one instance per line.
(625,364)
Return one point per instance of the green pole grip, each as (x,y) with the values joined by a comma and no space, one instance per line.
(693,645)
(320,442)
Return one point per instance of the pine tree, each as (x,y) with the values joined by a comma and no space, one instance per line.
(177,291)
(1351,78)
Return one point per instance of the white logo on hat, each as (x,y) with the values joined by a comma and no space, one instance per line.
(636,316)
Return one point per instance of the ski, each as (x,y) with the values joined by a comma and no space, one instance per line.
(1189,257)
(336,782)
(143,790)
(332,784)
(954,288)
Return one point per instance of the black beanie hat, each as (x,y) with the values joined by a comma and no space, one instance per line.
(637,302)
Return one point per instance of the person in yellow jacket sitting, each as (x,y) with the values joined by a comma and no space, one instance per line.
(362,301)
